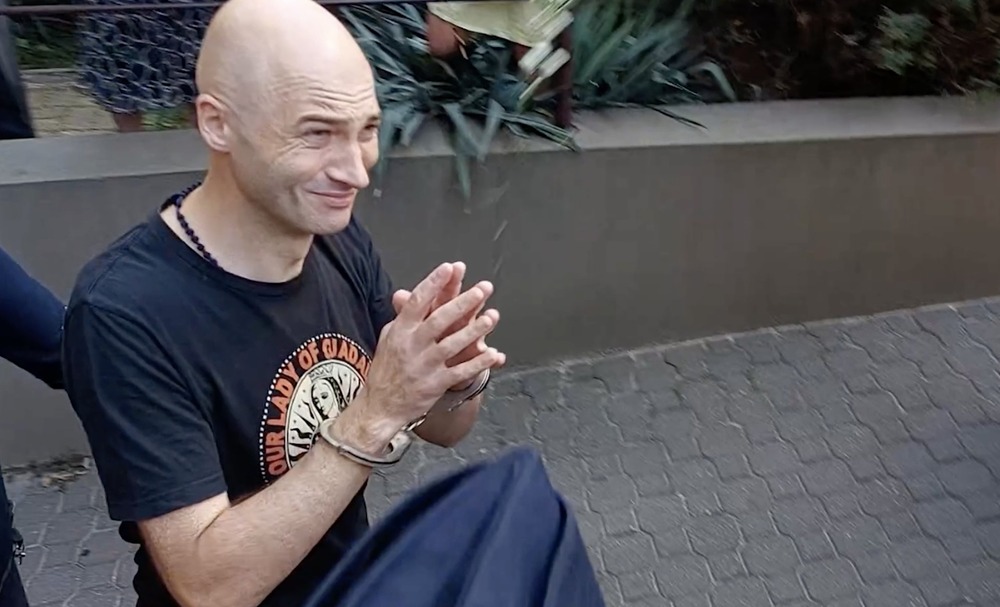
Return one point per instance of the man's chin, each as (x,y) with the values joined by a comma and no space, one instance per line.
(331,222)
(327,214)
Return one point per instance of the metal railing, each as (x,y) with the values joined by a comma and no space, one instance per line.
(563,79)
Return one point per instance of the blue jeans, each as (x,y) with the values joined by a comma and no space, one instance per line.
(11,589)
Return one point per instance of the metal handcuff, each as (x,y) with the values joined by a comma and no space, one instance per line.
(401,442)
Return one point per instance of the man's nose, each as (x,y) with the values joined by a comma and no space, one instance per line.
(350,168)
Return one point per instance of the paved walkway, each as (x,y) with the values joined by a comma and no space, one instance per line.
(59,107)
(844,464)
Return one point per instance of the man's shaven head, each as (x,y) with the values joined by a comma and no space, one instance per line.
(287,107)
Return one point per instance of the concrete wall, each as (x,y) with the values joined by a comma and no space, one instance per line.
(777,213)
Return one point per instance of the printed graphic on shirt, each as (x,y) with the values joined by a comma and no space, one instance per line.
(316,382)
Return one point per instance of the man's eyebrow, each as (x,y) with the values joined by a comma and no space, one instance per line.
(338,120)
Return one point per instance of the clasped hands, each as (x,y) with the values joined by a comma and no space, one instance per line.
(436,343)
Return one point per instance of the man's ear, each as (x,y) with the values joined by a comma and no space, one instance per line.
(212,122)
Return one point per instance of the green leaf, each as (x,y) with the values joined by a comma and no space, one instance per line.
(543,126)
(462,169)
(662,52)
(600,57)
(677,117)
(721,81)
(494,116)
(410,128)
(463,132)
(391,118)
(684,10)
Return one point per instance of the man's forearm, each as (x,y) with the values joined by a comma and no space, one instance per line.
(448,429)
(248,549)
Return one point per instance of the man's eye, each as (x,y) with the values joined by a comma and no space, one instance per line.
(315,134)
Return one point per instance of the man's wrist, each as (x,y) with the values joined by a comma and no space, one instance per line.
(461,387)
(357,427)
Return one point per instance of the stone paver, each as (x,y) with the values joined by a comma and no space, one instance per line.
(59,106)
(844,463)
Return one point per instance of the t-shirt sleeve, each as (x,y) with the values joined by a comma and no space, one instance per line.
(151,441)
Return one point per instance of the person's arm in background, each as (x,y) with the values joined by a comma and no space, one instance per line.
(15,118)
(31,323)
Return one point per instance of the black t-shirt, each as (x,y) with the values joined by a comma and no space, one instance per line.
(191,381)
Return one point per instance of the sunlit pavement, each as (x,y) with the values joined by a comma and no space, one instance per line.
(839,464)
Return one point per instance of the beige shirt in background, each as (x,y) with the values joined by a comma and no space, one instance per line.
(519,22)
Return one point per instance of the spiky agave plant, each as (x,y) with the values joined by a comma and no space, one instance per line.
(476,98)
(630,53)
(625,53)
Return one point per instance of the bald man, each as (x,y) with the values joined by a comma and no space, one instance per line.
(193,343)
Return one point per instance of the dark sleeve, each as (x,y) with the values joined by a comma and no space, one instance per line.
(31,321)
(152,442)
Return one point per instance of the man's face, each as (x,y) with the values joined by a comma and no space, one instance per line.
(305,152)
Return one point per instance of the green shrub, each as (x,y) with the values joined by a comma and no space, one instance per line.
(633,53)
(43,41)
(625,53)
(843,48)
(901,42)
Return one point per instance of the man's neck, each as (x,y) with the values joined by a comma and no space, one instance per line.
(242,239)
